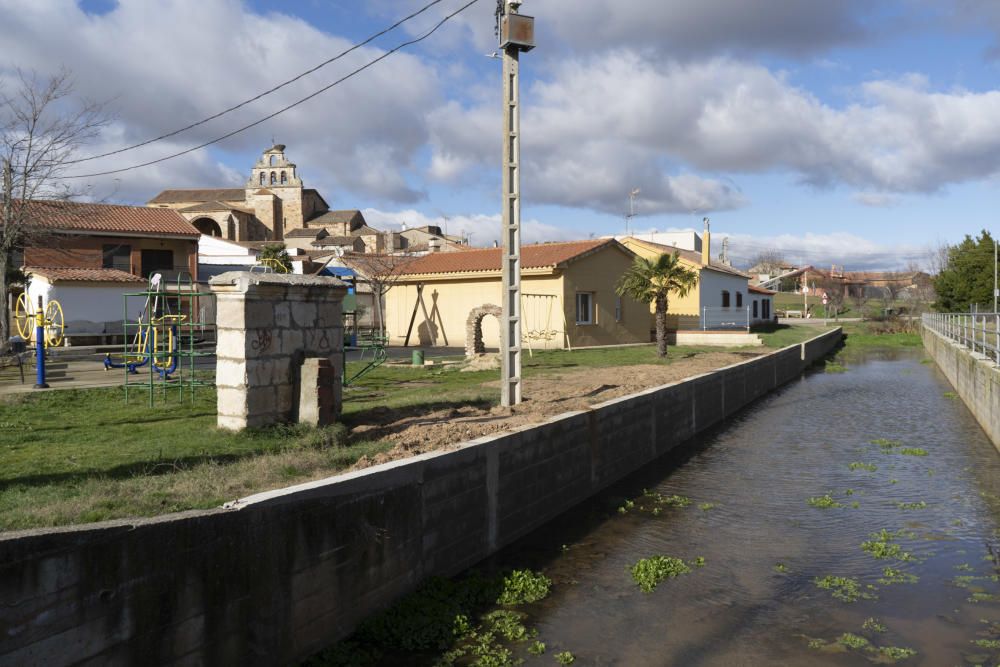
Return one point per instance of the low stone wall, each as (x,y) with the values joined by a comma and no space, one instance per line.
(277,576)
(975,379)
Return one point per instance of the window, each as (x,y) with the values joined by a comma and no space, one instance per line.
(117,257)
(263,178)
(274,160)
(766,309)
(739,299)
(157,261)
(725,298)
(619,313)
(755,308)
(584,308)
(274,178)
(284,178)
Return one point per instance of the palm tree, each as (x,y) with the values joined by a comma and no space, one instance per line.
(652,281)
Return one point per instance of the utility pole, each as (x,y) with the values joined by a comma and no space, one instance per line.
(516,33)
(996,292)
(631,209)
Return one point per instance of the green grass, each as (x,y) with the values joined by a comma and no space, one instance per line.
(782,335)
(863,335)
(75,456)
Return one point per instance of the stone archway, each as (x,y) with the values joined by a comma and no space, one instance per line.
(474,328)
(207,226)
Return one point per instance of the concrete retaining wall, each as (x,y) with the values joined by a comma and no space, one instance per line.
(975,379)
(280,575)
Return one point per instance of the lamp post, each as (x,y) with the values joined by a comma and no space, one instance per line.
(517,33)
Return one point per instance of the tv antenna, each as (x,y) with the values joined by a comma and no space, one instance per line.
(631,208)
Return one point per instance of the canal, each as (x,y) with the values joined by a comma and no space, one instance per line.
(849,518)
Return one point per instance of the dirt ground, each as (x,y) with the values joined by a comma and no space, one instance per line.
(544,397)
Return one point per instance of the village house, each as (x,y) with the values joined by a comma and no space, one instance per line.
(722,298)
(89,255)
(568,297)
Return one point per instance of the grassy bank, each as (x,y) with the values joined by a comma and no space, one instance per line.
(74,456)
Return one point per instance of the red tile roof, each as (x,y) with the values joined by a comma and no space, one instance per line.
(59,274)
(107,218)
(541,255)
(759,290)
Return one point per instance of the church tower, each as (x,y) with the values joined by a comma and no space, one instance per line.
(274,192)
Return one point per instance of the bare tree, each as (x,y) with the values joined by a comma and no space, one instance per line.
(382,272)
(40,131)
(835,291)
(767,261)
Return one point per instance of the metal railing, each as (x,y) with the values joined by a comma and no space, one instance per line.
(979,332)
(725,318)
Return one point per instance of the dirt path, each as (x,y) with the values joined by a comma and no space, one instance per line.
(545,396)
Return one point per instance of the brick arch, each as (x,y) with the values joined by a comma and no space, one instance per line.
(474,328)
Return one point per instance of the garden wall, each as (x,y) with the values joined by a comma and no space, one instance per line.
(975,379)
(278,576)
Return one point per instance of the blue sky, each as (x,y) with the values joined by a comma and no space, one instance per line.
(856,132)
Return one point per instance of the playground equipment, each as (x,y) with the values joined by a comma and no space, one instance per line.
(537,325)
(166,339)
(26,320)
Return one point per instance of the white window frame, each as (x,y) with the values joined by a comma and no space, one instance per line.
(590,308)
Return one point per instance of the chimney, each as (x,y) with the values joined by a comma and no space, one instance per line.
(706,245)
(434,245)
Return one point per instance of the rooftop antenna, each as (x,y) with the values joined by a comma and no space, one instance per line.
(631,208)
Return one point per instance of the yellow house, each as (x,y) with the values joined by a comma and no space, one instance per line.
(568,297)
(722,299)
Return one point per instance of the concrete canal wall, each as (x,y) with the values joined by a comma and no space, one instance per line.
(975,379)
(282,574)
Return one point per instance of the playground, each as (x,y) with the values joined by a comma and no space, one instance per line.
(85,455)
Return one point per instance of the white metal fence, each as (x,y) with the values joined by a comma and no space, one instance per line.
(979,332)
(725,318)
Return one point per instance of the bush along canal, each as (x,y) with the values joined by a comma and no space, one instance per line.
(850,518)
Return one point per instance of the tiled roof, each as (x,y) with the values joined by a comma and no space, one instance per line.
(211,206)
(211,194)
(537,256)
(691,256)
(364,230)
(337,217)
(335,241)
(307,232)
(108,218)
(59,274)
(759,290)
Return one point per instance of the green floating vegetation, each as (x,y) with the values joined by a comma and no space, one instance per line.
(565,658)
(892,575)
(885,443)
(824,502)
(649,572)
(913,451)
(846,588)
(781,567)
(707,506)
(882,547)
(950,394)
(963,567)
(536,648)
(919,505)
(675,501)
(524,587)
(991,644)
(982,597)
(854,641)
(873,624)
(834,367)
(894,653)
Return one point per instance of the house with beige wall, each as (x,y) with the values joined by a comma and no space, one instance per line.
(722,299)
(568,297)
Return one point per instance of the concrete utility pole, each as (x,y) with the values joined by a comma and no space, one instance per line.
(517,33)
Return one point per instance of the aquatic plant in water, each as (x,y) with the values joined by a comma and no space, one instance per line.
(649,572)
(894,653)
(882,547)
(851,640)
(707,506)
(885,443)
(872,624)
(824,502)
(858,465)
(565,658)
(913,451)
(524,587)
(991,644)
(537,648)
(891,575)
(919,505)
(845,588)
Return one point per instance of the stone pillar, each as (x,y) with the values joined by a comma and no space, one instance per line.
(268,325)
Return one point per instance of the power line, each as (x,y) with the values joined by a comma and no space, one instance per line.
(263,94)
(283,109)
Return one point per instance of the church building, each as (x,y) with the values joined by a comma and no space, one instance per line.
(273,204)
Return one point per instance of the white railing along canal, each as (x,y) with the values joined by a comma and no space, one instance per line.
(979,332)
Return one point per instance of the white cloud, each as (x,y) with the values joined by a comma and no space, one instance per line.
(162,65)
(823,250)
(875,199)
(482,230)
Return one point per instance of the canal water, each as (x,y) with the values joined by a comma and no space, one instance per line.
(756,600)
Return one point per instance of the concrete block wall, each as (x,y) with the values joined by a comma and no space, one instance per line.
(276,577)
(975,379)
